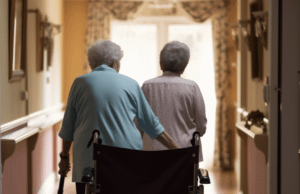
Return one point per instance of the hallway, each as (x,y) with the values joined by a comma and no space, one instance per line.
(247,49)
(221,183)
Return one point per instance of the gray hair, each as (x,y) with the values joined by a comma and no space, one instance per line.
(104,52)
(174,57)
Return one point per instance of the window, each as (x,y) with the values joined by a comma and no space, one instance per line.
(139,45)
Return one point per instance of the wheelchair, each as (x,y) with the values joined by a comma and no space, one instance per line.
(125,171)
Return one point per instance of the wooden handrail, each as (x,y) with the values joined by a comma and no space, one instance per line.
(11,138)
(26,132)
(19,135)
(13,124)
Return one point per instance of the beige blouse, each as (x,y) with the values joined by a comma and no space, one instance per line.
(179,106)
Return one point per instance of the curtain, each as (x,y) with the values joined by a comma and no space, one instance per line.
(203,10)
(223,150)
(98,26)
(99,17)
(200,12)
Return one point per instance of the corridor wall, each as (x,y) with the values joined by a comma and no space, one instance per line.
(32,167)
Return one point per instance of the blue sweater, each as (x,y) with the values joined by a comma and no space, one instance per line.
(109,102)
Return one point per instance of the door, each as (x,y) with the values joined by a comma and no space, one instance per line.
(274,104)
(289,134)
(284,144)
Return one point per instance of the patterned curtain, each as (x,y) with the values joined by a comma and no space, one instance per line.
(123,10)
(202,10)
(99,17)
(223,149)
(216,10)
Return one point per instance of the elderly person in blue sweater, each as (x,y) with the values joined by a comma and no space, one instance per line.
(108,101)
(177,102)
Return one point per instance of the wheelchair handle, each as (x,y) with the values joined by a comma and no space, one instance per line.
(196,138)
(94,137)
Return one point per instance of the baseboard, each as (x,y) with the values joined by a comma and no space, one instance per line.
(49,185)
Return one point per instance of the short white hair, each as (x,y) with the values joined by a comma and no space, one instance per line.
(174,57)
(104,52)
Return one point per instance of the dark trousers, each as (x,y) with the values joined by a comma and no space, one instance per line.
(80,188)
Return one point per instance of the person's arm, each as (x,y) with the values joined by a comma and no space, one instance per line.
(67,132)
(66,145)
(165,139)
(199,111)
(64,164)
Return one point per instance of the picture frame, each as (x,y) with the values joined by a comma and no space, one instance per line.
(39,40)
(256,48)
(17,39)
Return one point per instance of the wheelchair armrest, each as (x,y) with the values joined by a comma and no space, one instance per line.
(87,174)
(203,176)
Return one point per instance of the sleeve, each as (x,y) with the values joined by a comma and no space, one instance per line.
(199,111)
(147,120)
(69,120)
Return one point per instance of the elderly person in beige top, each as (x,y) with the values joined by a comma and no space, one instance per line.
(177,102)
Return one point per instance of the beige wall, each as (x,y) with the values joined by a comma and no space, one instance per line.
(74,16)
(11,105)
(18,174)
(254,99)
(41,94)
(14,172)
(31,167)
(232,79)
(257,170)
(250,98)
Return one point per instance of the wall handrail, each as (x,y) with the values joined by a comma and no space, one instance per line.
(28,128)
(15,123)
(19,135)
(26,132)
(245,113)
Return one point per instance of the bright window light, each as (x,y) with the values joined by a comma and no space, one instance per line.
(139,44)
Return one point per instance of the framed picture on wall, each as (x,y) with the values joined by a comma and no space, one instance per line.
(39,40)
(17,38)
(256,47)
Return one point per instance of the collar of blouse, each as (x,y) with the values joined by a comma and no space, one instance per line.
(104,67)
(170,73)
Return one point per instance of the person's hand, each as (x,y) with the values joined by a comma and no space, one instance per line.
(64,166)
